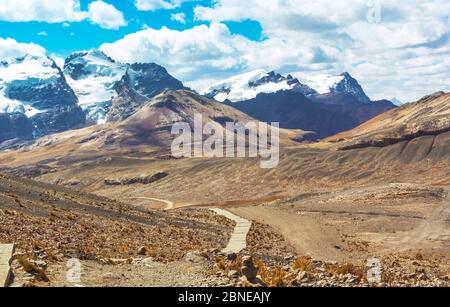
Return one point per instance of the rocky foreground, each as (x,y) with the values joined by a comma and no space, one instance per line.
(268,261)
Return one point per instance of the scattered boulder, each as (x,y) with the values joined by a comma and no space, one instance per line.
(135,180)
(112,182)
(303,277)
(231,256)
(248,269)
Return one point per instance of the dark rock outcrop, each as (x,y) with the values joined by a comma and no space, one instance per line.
(15,126)
(140,83)
(141,180)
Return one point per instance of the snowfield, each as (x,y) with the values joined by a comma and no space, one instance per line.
(95,86)
(240,88)
(35,71)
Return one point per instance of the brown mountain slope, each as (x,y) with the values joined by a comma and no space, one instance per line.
(153,122)
(63,222)
(141,135)
(430,116)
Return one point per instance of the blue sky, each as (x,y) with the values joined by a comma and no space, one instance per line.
(62,39)
(395,48)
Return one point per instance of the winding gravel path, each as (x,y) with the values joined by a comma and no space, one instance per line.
(238,240)
(170,205)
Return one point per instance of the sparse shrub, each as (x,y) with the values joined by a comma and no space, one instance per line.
(220,263)
(304,264)
(346,268)
(272,277)
(419,257)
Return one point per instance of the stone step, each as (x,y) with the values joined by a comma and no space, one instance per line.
(6,253)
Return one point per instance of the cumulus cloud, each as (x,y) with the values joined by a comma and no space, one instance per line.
(61,11)
(179,17)
(188,54)
(206,52)
(106,15)
(41,10)
(10,48)
(380,42)
(152,5)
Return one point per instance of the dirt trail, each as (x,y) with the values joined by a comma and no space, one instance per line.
(434,228)
(306,235)
(169,204)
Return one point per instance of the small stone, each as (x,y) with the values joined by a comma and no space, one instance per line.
(247,261)
(142,251)
(423,277)
(42,264)
(231,256)
(194,257)
(250,272)
(233,274)
(303,277)
(289,258)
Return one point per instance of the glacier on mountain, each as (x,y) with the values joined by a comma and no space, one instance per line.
(247,86)
(340,84)
(93,75)
(30,71)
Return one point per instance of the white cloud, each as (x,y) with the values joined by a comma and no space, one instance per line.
(406,54)
(179,17)
(153,5)
(205,53)
(337,36)
(190,54)
(43,33)
(10,48)
(60,11)
(41,10)
(106,15)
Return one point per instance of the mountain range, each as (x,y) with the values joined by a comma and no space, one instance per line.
(38,98)
(335,104)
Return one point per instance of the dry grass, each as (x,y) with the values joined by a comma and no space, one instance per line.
(221,264)
(273,277)
(304,264)
(346,268)
(33,269)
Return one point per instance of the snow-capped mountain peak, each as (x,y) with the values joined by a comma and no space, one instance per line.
(93,75)
(27,71)
(93,63)
(34,90)
(97,80)
(27,67)
(247,86)
(340,84)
